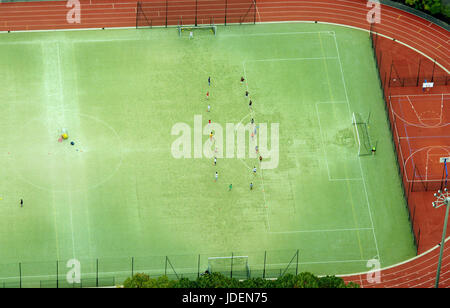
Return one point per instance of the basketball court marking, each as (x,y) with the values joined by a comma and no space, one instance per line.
(419,118)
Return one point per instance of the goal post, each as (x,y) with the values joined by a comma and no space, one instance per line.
(191,30)
(234,266)
(187,30)
(362,134)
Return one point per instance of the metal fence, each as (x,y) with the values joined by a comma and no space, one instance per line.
(392,74)
(103,272)
(194,12)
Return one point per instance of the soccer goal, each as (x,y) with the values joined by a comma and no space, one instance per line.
(234,266)
(362,134)
(191,31)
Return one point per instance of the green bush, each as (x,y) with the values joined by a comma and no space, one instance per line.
(432,7)
(217,280)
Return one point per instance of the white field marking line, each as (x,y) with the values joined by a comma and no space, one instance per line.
(320,262)
(422,95)
(294,59)
(355,126)
(345,179)
(93,186)
(279,33)
(215,258)
(398,139)
(383,35)
(262,179)
(414,124)
(428,159)
(323,146)
(423,137)
(61,96)
(414,109)
(320,231)
(344,9)
(359,159)
(151,37)
(257,12)
(272,22)
(365,30)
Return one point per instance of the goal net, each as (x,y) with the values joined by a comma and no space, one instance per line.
(191,31)
(235,266)
(362,134)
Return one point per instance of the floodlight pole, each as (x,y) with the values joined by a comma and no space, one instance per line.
(442,198)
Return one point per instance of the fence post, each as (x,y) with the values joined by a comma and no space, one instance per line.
(198,267)
(165,268)
(390,73)
(57,275)
(418,241)
(96,274)
(376,40)
(432,75)
(20,275)
(296,267)
(167,10)
(418,73)
(232,255)
(132,266)
(196,4)
(226,11)
(264,270)
(137,13)
(254,14)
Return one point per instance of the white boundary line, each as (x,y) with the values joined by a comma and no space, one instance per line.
(293,59)
(259,23)
(320,231)
(423,95)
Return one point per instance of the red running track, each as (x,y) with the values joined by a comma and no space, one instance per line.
(418,33)
(419,272)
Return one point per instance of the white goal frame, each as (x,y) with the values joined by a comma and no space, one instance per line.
(232,258)
(355,123)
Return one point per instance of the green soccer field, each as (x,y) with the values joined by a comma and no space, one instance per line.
(122,196)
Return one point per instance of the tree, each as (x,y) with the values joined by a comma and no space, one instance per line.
(217,280)
(430,6)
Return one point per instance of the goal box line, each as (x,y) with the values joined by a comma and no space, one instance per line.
(231,257)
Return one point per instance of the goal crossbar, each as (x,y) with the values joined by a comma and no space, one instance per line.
(182,28)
